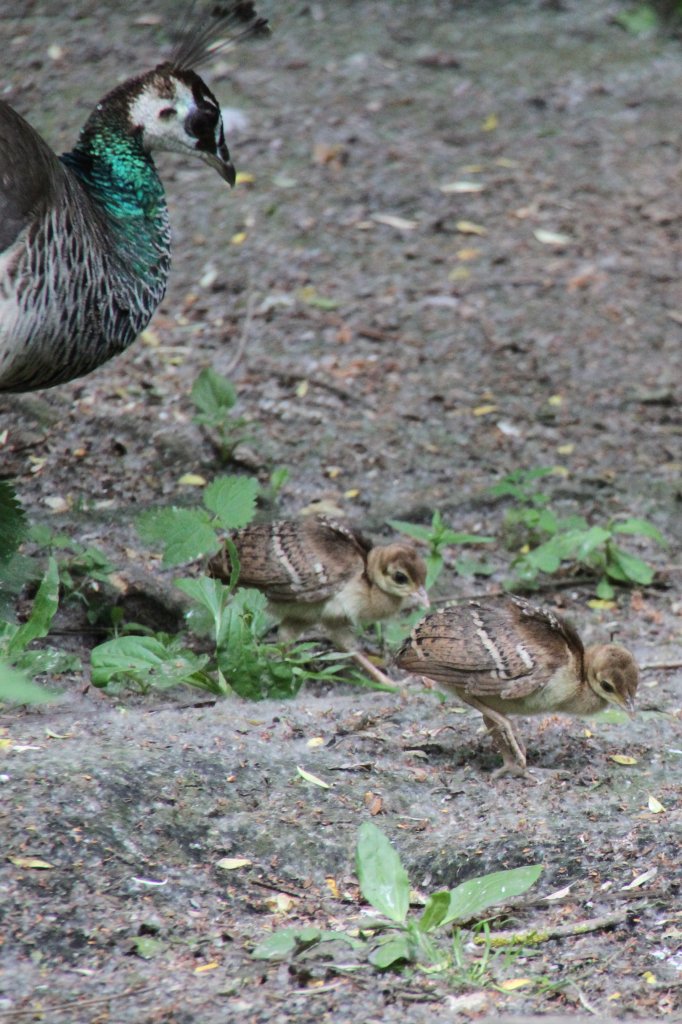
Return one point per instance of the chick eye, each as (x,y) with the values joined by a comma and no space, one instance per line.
(167,113)
(609,687)
(401,578)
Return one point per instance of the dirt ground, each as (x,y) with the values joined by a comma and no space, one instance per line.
(400,346)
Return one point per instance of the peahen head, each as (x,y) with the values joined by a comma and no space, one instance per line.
(171,107)
(174,109)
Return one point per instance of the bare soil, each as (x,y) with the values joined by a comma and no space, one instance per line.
(397,361)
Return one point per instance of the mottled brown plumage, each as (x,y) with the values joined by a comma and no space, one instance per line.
(316,570)
(512,658)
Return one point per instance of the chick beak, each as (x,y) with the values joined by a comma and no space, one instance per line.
(626,703)
(421,598)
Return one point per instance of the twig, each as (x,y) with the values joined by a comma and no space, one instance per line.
(666,665)
(534,936)
(277,888)
(582,999)
(63,1007)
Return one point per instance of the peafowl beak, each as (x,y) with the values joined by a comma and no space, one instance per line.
(223,165)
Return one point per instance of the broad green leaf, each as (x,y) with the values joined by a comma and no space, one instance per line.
(185,534)
(15,688)
(640,527)
(383,879)
(435,911)
(145,659)
(471,898)
(389,953)
(277,946)
(213,393)
(626,567)
(546,558)
(44,608)
(209,594)
(232,499)
(13,524)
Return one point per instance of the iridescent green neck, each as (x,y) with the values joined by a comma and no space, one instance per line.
(122,180)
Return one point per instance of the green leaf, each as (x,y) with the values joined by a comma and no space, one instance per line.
(639,527)
(211,595)
(232,499)
(383,879)
(434,567)
(604,590)
(147,947)
(640,21)
(435,911)
(13,523)
(184,534)
(587,542)
(627,568)
(411,529)
(277,946)
(212,393)
(545,557)
(44,608)
(546,521)
(471,898)
(449,537)
(389,953)
(15,688)
(148,661)
(289,941)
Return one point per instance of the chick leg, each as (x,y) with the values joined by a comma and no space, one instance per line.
(371,669)
(504,736)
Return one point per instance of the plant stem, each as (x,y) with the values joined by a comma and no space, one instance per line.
(534,936)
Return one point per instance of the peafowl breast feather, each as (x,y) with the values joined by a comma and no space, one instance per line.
(85,245)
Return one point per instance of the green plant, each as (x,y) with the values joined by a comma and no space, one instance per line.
(15,640)
(84,570)
(529,519)
(397,938)
(548,541)
(186,534)
(437,537)
(215,397)
(594,549)
(647,18)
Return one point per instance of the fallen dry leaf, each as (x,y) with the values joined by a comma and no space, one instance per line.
(31,862)
(467,227)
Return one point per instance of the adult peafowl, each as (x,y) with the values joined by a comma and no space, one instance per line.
(85,238)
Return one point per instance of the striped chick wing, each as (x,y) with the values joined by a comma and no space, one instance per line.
(306,560)
(508,649)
